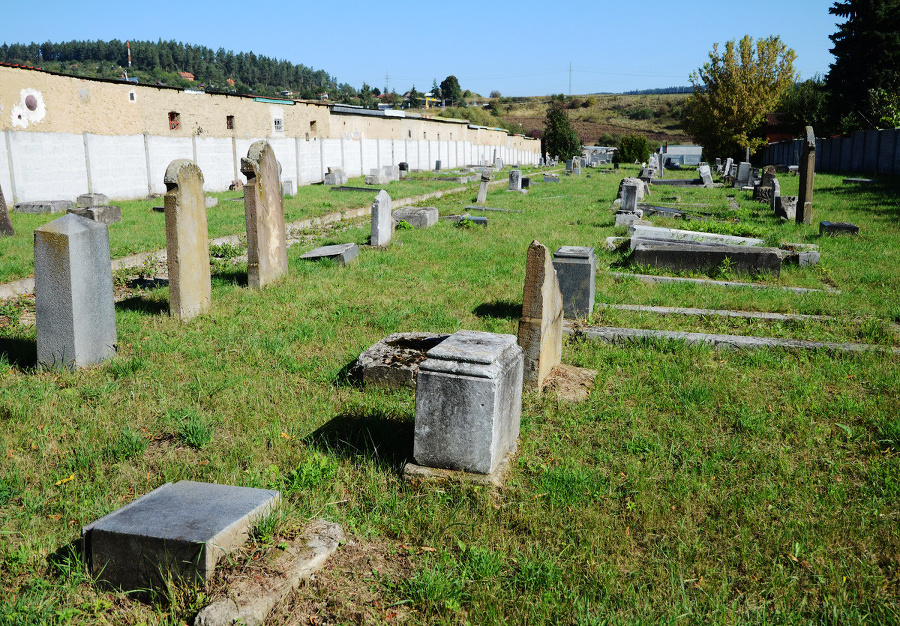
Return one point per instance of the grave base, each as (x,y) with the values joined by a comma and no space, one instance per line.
(420,474)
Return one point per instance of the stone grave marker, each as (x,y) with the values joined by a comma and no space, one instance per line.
(515,180)
(540,328)
(551,178)
(382,225)
(483,187)
(468,402)
(376,176)
(187,241)
(576,270)
(178,531)
(73,291)
(403,170)
(264,212)
(393,362)
(43,206)
(526,182)
(786,207)
(6,227)
(630,197)
(417,217)
(807,178)
(91,199)
(705,175)
(335,176)
(838,228)
(341,253)
(437,166)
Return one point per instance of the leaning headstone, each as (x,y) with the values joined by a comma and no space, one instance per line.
(176,532)
(417,217)
(540,328)
(264,211)
(92,199)
(468,402)
(106,214)
(73,291)
(838,228)
(576,270)
(630,197)
(341,253)
(726,169)
(705,176)
(483,188)
(187,241)
(6,227)
(381,220)
(515,180)
(807,178)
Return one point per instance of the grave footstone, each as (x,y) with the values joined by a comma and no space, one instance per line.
(92,199)
(264,211)
(382,224)
(576,270)
(417,217)
(73,290)
(6,227)
(211,202)
(187,241)
(176,532)
(540,328)
(341,253)
(838,228)
(550,178)
(468,402)
(515,180)
(807,178)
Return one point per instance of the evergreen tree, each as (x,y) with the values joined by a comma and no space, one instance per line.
(560,138)
(450,90)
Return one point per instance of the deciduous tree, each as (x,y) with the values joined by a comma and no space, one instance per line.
(450,90)
(560,139)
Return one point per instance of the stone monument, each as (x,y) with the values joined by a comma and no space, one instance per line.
(264,211)
(807,176)
(540,328)
(382,224)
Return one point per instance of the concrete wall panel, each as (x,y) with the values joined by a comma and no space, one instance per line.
(215,158)
(164,150)
(310,162)
(118,165)
(48,166)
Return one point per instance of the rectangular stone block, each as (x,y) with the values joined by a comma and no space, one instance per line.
(341,253)
(105,214)
(688,236)
(382,226)
(418,217)
(468,402)
(838,228)
(177,531)
(91,199)
(515,180)
(44,206)
(187,241)
(682,257)
(73,290)
(576,270)
(629,197)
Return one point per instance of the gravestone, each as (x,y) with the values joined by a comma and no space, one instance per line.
(393,362)
(498,164)
(576,270)
(6,227)
(437,166)
(726,169)
(403,169)
(376,176)
(335,176)
(264,212)
(630,197)
(551,178)
(705,175)
(515,180)
(417,217)
(642,187)
(786,207)
(837,228)
(576,171)
(570,164)
(43,206)
(187,241)
(177,531)
(73,292)
(807,178)
(483,187)
(743,175)
(211,202)
(468,402)
(381,220)
(688,257)
(540,328)
(287,187)
(91,199)
(341,253)
(526,182)
(391,171)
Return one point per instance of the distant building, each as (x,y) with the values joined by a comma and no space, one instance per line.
(682,155)
(323,95)
(186,76)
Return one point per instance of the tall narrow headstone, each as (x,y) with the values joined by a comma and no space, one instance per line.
(187,241)
(576,270)
(264,211)
(515,180)
(73,291)
(382,224)
(540,329)
(629,197)
(807,176)
(6,227)
(483,188)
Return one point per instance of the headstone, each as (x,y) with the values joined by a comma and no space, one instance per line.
(105,214)
(264,212)
(526,182)
(550,178)
(630,197)
(403,170)
(727,167)
(576,270)
(381,220)
(515,180)
(629,218)
(468,402)
(483,187)
(91,199)
(786,207)
(437,166)
(807,178)
(838,228)
(43,206)
(477,220)
(187,241)
(642,187)
(73,291)
(417,217)
(498,164)
(685,257)
(377,176)
(393,362)
(570,164)
(705,175)
(335,176)
(287,187)
(689,236)
(391,172)
(211,202)
(341,253)
(540,328)
(6,227)
(176,532)
(743,175)
(576,171)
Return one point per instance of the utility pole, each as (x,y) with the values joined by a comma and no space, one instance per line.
(387,82)
(570,78)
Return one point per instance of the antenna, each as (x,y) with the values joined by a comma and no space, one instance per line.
(570,78)
(387,82)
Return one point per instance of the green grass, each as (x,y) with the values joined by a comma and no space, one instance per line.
(692,486)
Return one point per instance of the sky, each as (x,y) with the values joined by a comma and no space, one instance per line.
(524,48)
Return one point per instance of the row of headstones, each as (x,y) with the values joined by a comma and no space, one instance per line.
(94,206)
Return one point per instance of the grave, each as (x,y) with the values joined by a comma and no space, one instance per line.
(483,188)
(43,206)
(576,270)
(576,171)
(705,176)
(629,218)
(287,187)
(264,212)
(551,178)
(859,181)
(417,217)
(211,202)
(91,199)
(682,257)
(6,227)
(187,241)
(743,175)
(104,214)
(382,226)
(393,362)
(785,207)
(690,236)
(526,182)
(178,531)
(630,197)
(73,290)
(335,176)
(540,328)
(515,180)
(468,402)
(341,253)
(437,166)
(474,219)
(570,165)
(392,172)
(807,178)
(642,187)
(837,228)
(403,170)
(376,176)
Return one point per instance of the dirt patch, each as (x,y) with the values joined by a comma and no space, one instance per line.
(589,132)
(570,383)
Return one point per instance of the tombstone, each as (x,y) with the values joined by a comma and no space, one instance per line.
(437,166)
(264,212)
(483,188)
(43,206)
(570,164)
(705,175)
(576,171)
(92,199)
(551,178)
(642,187)
(187,241)
(743,174)
(176,532)
(786,207)
(576,270)
(6,227)
(515,180)
(727,167)
(417,217)
(526,182)
(807,176)
(403,169)
(335,176)
(73,291)
(211,202)
(381,220)
(498,164)
(540,328)
(393,362)
(341,253)
(468,402)
(376,176)
(629,198)
(287,187)
(837,228)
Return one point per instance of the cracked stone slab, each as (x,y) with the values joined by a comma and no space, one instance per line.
(393,362)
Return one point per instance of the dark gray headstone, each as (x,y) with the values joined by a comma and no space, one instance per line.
(342,253)
(683,257)
(838,228)
(576,270)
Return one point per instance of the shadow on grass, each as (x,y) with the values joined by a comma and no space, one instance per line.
(144,305)
(21,353)
(500,309)
(236,277)
(66,559)
(387,441)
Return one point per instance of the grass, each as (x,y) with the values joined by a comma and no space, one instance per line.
(692,485)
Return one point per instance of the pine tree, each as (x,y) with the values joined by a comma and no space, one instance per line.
(560,139)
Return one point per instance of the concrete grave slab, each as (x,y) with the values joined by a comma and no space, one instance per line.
(674,234)
(341,253)
(393,362)
(417,217)
(837,228)
(91,199)
(43,206)
(681,257)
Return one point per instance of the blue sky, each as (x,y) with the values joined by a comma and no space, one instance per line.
(520,49)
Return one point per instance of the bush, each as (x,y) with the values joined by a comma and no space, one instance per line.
(643,113)
(633,148)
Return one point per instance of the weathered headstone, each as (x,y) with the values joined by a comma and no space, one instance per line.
(570,164)
(92,199)
(540,328)
(576,270)
(6,227)
(483,187)
(264,212)
(341,253)
(417,217)
(382,225)
(468,402)
(43,206)
(106,214)
(403,170)
(551,178)
(187,241)
(838,228)
(642,187)
(437,166)
(576,171)
(515,180)
(743,174)
(393,362)
(73,291)
(807,178)
(376,176)
(177,531)
(786,207)
(705,175)
(335,176)
(630,197)
(726,169)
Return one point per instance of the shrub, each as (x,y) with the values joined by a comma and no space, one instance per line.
(642,113)
(633,148)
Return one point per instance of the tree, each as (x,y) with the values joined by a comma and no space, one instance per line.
(450,90)
(734,91)
(415,98)
(559,138)
(495,94)
(435,90)
(805,104)
(633,148)
(867,57)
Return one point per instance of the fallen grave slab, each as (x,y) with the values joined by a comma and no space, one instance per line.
(393,362)
(678,182)
(341,253)
(690,236)
(760,315)
(837,228)
(861,181)
(473,207)
(104,214)
(349,188)
(43,206)
(475,219)
(652,279)
(178,530)
(417,217)
(681,257)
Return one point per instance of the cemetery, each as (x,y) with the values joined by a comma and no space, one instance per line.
(614,404)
